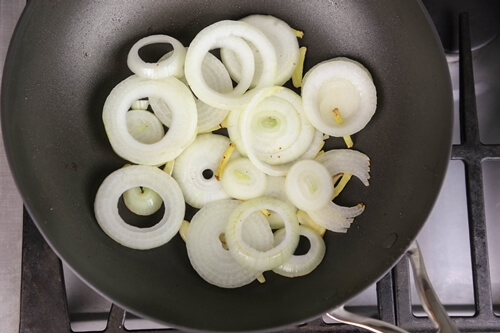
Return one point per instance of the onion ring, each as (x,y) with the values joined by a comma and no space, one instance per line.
(180,134)
(172,66)
(119,181)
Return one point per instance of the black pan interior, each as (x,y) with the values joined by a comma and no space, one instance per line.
(65,58)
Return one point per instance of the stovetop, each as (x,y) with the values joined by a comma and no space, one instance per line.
(452,240)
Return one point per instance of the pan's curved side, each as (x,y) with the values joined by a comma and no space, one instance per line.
(66,57)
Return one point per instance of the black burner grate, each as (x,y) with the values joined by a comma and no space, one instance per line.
(43,298)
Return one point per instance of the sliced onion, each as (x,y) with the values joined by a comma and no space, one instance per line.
(276,189)
(342,84)
(300,265)
(141,104)
(142,201)
(213,37)
(285,44)
(195,169)
(172,66)
(332,216)
(250,257)
(336,218)
(293,151)
(180,134)
(119,181)
(144,126)
(218,79)
(233,130)
(338,161)
(206,254)
(242,180)
(291,134)
(309,185)
(315,147)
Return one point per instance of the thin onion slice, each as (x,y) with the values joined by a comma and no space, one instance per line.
(335,218)
(195,169)
(218,79)
(172,66)
(296,148)
(250,257)
(206,253)
(332,216)
(142,201)
(339,161)
(213,37)
(285,44)
(242,180)
(342,84)
(309,185)
(119,181)
(276,189)
(300,265)
(180,134)
(141,104)
(144,126)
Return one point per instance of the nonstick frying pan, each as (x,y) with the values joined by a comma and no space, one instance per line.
(66,56)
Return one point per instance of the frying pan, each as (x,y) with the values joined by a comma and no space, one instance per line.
(66,56)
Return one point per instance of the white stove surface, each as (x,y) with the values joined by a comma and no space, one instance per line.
(11,207)
(444,240)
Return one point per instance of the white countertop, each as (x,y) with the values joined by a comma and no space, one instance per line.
(11,208)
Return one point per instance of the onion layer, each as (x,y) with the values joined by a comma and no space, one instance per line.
(300,265)
(213,37)
(180,134)
(250,257)
(285,44)
(218,79)
(171,66)
(242,180)
(309,185)
(285,152)
(341,84)
(119,181)
(206,254)
(142,201)
(195,169)
(144,126)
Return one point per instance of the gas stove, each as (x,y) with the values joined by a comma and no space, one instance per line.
(459,243)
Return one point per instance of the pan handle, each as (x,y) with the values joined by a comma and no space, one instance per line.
(430,302)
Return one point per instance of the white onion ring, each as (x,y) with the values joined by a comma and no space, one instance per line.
(142,201)
(343,84)
(205,153)
(293,151)
(180,134)
(332,216)
(218,79)
(300,265)
(285,44)
(276,189)
(242,180)
(212,37)
(351,161)
(172,66)
(109,219)
(250,257)
(206,254)
(309,185)
(144,126)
